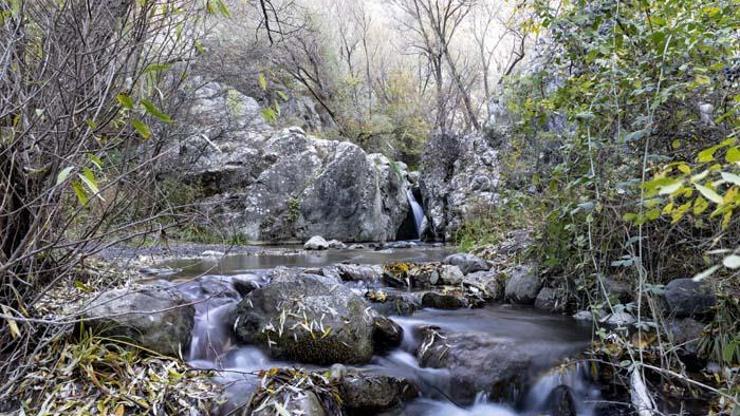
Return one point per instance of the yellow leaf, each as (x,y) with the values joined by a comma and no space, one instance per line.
(12,324)
(120,410)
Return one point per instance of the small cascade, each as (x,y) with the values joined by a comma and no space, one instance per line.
(417,211)
(575,377)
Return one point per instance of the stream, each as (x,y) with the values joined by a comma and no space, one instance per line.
(546,338)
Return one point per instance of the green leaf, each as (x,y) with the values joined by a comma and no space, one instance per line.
(62,176)
(125,100)
(709,194)
(732,262)
(707,155)
(95,160)
(156,112)
(88,178)
(733,155)
(142,129)
(671,188)
(80,192)
(157,68)
(262,81)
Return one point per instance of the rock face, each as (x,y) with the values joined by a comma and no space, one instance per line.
(477,363)
(686,298)
(459,177)
(307,320)
(157,317)
(523,285)
(284,185)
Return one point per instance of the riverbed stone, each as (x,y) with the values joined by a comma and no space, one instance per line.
(316,242)
(523,285)
(550,300)
(488,282)
(477,362)
(421,275)
(389,302)
(305,403)
(355,272)
(308,320)
(467,263)
(687,298)
(387,334)
(370,394)
(448,300)
(157,317)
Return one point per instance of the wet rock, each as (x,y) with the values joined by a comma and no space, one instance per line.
(393,303)
(212,253)
(487,282)
(355,272)
(307,320)
(550,300)
(283,274)
(316,243)
(561,402)
(356,246)
(304,403)
(438,300)
(687,298)
(209,291)
(477,362)
(618,319)
(585,316)
(245,283)
(156,317)
(336,244)
(387,334)
(523,285)
(367,394)
(467,263)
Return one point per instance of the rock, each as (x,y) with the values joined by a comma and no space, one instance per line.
(308,320)
(387,334)
(245,283)
(356,246)
(443,300)
(281,185)
(368,394)
(561,402)
(209,291)
(619,319)
(585,316)
(687,298)
(393,303)
(421,275)
(282,274)
(355,272)
(336,244)
(686,333)
(459,176)
(477,362)
(212,253)
(316,243)
(549,300)
(620,290)
(156,317)
(523,285)
(467,263)
(487,282)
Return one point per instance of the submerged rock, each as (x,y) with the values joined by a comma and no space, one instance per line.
(686,298)
(157,317)
(316,243)
(477,362)
(523,285)
(307,320)
(467,263)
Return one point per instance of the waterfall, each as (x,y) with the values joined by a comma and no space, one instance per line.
(417,211)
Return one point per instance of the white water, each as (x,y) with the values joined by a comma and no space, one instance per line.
(417,211)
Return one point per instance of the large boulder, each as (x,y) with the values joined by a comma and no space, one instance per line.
(459,178)
(686,298)
(523,285)
(270,185)
(307,320)
(156,317)
(488,283)
(477,362)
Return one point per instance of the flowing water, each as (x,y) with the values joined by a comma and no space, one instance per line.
(545,337)
(417,210)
